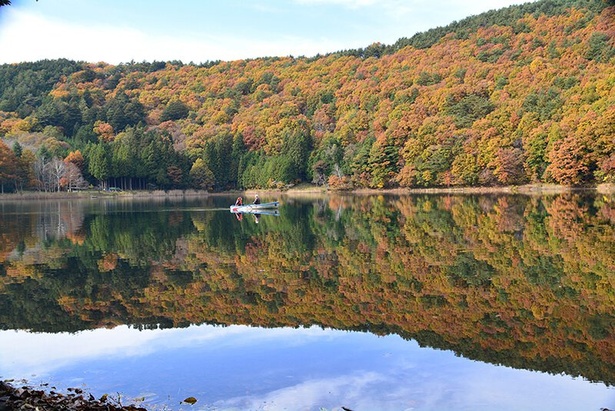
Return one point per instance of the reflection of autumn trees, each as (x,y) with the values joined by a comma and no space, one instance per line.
(523,281)
(26,227)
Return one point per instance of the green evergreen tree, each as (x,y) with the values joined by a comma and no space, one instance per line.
(17,149)
(200,174)
(174,110)
(123,112)
(223,148)
(295,155)
(238,152)
(98,163)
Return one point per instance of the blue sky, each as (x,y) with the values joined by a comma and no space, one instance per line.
(116,31)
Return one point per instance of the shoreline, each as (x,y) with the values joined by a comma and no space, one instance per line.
(306,189)
(23,396)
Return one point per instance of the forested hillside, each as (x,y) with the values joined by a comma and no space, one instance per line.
(524,94)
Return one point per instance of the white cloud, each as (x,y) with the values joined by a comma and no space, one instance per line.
(45,38)
(395,9)
(26,353)
(402,7)
(398,388)
(353,4)
(51,39)
(360,391)
(40,353)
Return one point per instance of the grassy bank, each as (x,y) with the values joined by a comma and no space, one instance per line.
(529,189)
(310,190)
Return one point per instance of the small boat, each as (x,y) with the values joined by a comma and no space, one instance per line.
(264,211)
(252,208)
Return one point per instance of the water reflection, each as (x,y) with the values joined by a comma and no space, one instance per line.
(526,282)
(246,368)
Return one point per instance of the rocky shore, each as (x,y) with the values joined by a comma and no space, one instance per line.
(23,397)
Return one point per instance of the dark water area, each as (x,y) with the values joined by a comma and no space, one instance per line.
(367,302)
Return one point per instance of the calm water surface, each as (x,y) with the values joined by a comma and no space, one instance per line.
(366,302)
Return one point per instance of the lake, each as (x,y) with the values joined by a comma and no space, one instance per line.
(369,302)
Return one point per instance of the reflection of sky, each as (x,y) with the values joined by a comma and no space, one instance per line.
(243,368)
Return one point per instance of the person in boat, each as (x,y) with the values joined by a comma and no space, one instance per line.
(239,201)
(256,200)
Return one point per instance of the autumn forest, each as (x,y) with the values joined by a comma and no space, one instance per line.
(524,94)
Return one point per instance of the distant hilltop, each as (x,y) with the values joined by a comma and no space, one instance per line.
(513,96)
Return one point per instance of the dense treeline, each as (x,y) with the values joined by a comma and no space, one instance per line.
(512,96)
(526,282)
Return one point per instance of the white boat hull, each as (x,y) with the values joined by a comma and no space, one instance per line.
(252,208)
